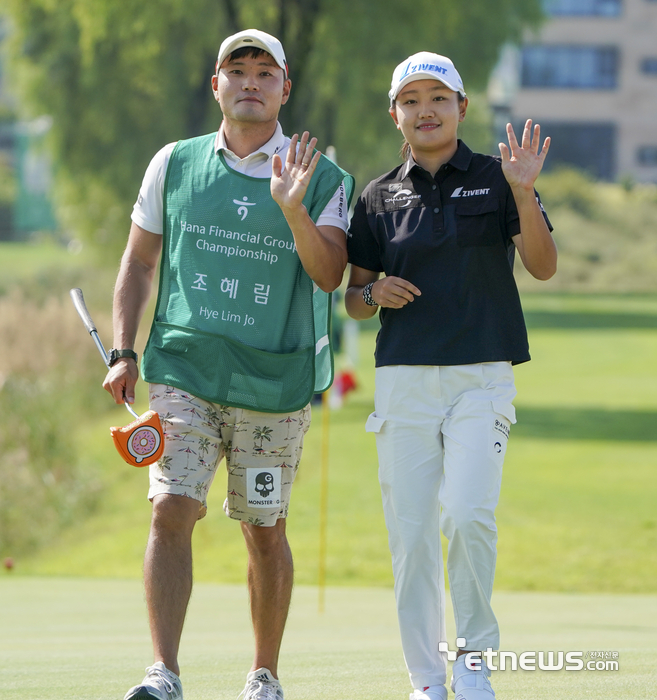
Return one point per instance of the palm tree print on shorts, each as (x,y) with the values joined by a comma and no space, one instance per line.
(212,418)
(203,445)
(261,433)
(166,418)
(164,463)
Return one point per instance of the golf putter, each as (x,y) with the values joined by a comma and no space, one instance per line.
(141,442)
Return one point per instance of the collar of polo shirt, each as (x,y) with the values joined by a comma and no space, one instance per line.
(460,160)
(275,144)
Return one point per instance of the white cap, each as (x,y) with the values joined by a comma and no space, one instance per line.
(421,66)
(256,39)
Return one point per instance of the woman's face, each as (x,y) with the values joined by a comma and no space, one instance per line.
(428,114)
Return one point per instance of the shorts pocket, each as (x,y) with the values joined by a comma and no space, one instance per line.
(478,224)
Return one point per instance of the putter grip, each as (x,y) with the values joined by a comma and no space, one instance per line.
(81,308)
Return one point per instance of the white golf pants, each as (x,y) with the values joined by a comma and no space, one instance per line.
(441,436)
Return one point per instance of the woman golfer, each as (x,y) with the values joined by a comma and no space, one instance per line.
(443,227)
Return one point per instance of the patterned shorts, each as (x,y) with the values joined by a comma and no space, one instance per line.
(262,452)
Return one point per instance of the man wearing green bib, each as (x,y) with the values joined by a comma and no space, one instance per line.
(249,229)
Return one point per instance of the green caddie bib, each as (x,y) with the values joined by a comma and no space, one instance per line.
(238,320)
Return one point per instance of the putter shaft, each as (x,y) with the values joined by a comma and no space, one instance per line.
(83,312)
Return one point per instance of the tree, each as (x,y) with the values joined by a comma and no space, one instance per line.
(122,78)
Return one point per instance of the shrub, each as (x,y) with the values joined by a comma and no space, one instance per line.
(48,377)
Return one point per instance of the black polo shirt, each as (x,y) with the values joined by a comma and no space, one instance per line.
(451,237)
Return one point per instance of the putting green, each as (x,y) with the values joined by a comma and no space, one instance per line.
(63,639)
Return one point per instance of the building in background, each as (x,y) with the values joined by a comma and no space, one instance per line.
(589,76)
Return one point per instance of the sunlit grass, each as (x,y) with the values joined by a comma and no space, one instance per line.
(577,505)
(70,639)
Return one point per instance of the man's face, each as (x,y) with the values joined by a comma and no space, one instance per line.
(428,114)
(251,89)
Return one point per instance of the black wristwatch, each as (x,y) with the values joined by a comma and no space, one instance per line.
(115,355)
(367,294)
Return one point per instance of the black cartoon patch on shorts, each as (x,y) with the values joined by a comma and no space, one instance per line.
(263,487)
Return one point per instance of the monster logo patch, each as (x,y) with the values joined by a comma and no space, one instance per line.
(263,488)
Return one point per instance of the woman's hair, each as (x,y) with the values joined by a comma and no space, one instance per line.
(405,149)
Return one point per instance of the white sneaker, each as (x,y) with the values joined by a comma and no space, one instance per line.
(158,684)
(261,685)
(432,692)
(469,684)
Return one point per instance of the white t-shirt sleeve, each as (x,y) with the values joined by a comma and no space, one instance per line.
(148,210)
(336,212)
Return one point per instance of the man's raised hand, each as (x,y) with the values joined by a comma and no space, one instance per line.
(288,187)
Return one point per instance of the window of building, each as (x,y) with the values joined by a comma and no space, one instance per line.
(583,8)
(590,146)
(649,65)
(570,67)
(647,156)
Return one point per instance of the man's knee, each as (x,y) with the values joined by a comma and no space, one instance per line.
(263,539)
(174,514)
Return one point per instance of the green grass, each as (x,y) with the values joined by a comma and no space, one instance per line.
(21,262)
(72,639)
(577,508)
(25,259)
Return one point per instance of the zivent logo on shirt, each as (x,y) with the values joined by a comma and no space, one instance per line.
(405,196)
(243,208)
(460,192)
